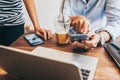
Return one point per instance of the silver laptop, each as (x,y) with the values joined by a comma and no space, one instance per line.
(47,64)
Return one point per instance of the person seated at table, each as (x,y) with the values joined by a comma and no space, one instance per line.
(12,21)
(100,19)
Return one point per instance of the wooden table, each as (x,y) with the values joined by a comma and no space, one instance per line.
(106,68)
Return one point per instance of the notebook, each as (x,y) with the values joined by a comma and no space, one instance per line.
(47,64)
(113,50)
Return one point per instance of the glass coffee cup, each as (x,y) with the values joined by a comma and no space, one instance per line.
(62,30)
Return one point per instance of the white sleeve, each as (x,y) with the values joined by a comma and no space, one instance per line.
(112,10)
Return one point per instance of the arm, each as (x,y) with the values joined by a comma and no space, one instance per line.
(30,6)
(112,10)
(111,30)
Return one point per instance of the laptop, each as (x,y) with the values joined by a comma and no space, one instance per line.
(47,64)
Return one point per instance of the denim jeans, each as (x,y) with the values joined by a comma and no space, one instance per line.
(9,34)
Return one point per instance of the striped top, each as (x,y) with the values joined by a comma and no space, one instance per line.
(11,13)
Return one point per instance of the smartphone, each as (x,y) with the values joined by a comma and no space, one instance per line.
(33,39)
(74,36)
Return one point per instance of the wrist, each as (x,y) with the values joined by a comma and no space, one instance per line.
(105,34)
(37,27)
(102,39)
(97,39)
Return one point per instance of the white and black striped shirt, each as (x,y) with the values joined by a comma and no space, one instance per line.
(11,12)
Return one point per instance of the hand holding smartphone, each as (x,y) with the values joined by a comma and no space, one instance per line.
(74,36)
(33,39)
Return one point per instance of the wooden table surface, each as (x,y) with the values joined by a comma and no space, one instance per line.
(106,68)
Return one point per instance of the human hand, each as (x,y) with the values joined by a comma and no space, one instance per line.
(89,44)
(46,34)
(80,24)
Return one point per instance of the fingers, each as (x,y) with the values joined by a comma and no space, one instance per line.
(82,45)
(93,42)
(81,25)
(87,44)
(85,27)
(46,34)
(41,32)
(49,34)
(75,25)
(90,45)
(76,43)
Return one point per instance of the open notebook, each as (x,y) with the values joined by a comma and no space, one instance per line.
(47,64)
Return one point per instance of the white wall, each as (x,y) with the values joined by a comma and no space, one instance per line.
(46,10)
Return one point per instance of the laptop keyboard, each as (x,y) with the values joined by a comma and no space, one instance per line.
(85,73)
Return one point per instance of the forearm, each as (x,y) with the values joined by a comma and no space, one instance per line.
(30,6)
(112,11)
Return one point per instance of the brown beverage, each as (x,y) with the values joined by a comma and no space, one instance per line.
(62,38)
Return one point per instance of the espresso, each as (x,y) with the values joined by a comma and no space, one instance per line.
(62,38)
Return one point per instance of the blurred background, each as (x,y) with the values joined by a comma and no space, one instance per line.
(46,11)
